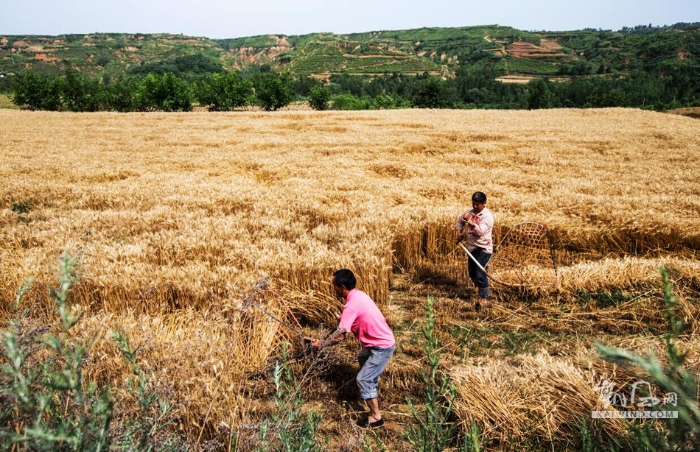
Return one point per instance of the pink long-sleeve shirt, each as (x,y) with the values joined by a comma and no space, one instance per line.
(479,235)
(362,316)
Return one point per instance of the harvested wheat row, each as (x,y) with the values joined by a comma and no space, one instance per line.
(540,396)
(627,272)
(202,361)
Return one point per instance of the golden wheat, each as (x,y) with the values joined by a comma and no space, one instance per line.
(539,396)
(178,215)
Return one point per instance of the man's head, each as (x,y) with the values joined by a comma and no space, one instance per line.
(478,201)
(343,280)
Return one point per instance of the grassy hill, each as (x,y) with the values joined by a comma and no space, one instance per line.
(439,51)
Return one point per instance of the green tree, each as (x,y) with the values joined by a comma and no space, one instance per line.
(273,90)
(319,98)
(78,93)
(36,92)
(5,83)
(224,92)
(120,95)
(186,67)
(164,92)
(348,84)
(303,85)
(432,93)
(540,95)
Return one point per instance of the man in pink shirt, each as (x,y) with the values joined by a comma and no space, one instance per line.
(362,317)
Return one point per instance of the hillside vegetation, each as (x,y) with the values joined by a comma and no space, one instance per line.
(438,51)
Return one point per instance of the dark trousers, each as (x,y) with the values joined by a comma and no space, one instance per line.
(478,277)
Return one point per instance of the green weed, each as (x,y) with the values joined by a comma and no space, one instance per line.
(433,429)
(679,434)
(603,299)
(47,405)
(21,207)
(289,429)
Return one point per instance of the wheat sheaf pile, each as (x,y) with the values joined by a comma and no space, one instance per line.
(177,216)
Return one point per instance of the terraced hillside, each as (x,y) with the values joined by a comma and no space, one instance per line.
(439,51)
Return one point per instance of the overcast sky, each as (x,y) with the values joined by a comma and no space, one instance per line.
(235,18)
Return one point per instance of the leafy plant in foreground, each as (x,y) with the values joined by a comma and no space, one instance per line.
(433,429)
(294,430)
(147,430)
(47,405)
(682,433)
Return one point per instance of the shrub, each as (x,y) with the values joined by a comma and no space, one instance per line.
(46,403)
(349,102)
(387,102)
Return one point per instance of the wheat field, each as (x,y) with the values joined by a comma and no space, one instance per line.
(177,216)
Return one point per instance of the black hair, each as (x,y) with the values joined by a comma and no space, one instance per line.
(345,278)
(479,197)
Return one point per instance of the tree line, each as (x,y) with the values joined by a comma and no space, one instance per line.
(150,92)
(469,88)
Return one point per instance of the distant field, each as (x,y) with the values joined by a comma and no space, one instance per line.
(525,79)
(177,216)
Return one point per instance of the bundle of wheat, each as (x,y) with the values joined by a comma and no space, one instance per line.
(539,396)
(488,397)
(626,272)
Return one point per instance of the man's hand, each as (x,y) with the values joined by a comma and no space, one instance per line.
(315,343)
(336,337)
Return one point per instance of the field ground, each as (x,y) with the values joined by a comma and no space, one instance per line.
(177,216)
(525,79)
(693,112)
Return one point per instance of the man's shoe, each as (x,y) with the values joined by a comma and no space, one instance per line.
(482,303)
(364,423)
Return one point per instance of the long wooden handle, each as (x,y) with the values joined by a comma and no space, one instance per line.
(471,256)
